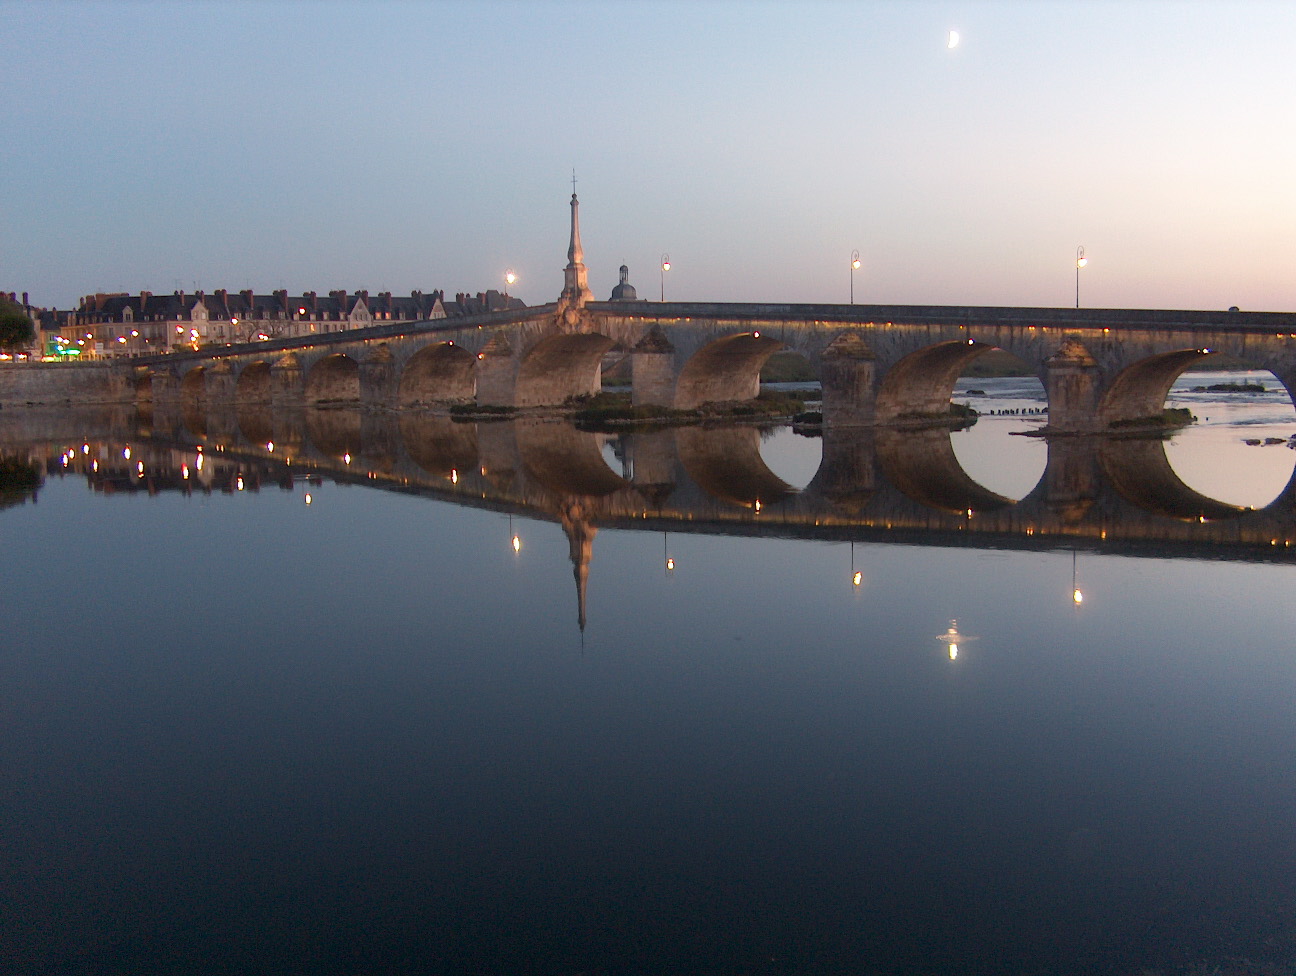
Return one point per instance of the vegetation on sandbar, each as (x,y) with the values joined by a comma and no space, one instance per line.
(1171,417)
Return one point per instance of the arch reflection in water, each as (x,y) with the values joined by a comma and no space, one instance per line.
(1244,420)
(868,480)
(872,485)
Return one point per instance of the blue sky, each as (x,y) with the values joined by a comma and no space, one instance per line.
(394,146)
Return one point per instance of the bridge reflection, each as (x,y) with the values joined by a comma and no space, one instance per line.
(1114,496)
(1120,495)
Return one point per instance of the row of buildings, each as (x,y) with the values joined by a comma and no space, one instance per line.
(112,325)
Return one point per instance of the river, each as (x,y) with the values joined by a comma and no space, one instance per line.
(333,716)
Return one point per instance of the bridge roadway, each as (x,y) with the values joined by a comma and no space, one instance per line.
(879,365)
(1110,494)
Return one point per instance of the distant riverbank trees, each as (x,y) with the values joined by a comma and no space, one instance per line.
(16,329)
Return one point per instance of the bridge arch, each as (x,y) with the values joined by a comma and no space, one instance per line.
(560,367)
(725,370)
(142,385)
(253,384)
(1139,390)
(333,379)
(438,373)
(919,386)
(193,385)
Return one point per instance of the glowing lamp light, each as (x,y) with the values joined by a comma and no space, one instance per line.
(1077,597)
(126,452)
(857,579)
(670,563)
(270,446)
(517,544)
(308,498)
(346,458)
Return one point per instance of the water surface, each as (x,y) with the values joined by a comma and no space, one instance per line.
(243,733)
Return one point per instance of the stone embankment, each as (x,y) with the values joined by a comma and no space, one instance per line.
(60,384)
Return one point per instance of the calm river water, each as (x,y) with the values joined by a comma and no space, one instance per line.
(328,717)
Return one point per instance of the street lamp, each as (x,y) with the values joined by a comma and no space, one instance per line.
(855,263)
(509,278)
(1081,261)
(665,266)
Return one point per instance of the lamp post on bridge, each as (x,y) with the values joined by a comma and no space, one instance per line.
(509,278)
(1081,261)
(855,263)
(665,266)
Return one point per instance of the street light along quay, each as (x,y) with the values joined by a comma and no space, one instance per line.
(509,278)
(665,266)
(855,263)
(1081,261)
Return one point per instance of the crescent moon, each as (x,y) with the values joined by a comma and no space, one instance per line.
(953,40)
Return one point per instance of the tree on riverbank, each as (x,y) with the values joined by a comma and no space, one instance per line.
(16,329)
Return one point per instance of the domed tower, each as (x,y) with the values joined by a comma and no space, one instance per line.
(624,292)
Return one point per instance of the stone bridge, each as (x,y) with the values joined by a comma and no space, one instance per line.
(878,365)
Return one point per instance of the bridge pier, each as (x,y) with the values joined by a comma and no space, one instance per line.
(496,374)
(287,383)
(219,382)
(1072,383)
(652,371)
(166,388)
(848,378)
(378,379)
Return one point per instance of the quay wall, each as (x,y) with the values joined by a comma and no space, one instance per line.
(60,384)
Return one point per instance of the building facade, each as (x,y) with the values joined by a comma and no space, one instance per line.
(122,325)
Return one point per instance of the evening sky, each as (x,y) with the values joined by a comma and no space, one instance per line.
(399,145)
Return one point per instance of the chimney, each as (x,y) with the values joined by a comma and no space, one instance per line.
(26,303)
